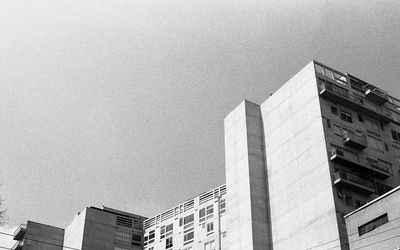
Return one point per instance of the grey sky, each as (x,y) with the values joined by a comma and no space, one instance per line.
(122,103)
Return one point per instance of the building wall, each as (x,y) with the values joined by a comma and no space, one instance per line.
(157,236)
(43,237)
(386,236)
(300,190)
(248,214)
(105,229)
(73,236)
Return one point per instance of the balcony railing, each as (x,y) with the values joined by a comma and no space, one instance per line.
(20,232)
(377,95)
(357,141)
(353,181)
(335,93)
(355,160)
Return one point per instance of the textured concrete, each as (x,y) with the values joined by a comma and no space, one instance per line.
(303,212)
(42,237)
(248,214)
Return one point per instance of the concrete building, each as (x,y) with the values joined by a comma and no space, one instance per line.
(376,225)
(321,146)
(37,236)
(198,223)
(104,229)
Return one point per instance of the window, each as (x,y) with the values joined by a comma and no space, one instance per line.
(334,110)
(202,215)
(396,135)
(222,206)
(136,239)
(345,116)
(188,236)
(166,231)
(360,118)
(209,245)
(210,227)
(210,210)
(168,243)
(375,143)
(188,219)
(375,223)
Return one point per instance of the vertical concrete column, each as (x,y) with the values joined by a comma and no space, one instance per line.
(247,205)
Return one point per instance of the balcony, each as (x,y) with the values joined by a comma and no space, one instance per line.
(354,140)
(20,232)
(354,160)
(353,182)
(376,95)
(18,245)
(338,94)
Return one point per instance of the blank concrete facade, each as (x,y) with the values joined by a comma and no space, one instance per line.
(376,225)
(248,226)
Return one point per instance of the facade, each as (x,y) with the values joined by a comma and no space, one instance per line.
(376,225)
(37,236)
(322,145)
(104,229)
(198,223)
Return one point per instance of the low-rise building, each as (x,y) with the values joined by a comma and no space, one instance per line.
(104,229)
(198,223)
(37,236)
(376,225)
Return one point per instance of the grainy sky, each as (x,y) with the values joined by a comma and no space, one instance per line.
(121,103)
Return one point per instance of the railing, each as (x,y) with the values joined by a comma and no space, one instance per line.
(358,159)
(351,135)
(19,232)
(354,179)
(355,98)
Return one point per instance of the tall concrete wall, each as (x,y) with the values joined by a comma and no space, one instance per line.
(303,212)
(247,216)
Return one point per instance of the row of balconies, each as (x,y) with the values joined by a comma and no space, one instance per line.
(335,93)
(365,164)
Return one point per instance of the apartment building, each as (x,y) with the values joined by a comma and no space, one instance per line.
(376,225)
(321,146)
(104,229)
(198,223)
(38,236)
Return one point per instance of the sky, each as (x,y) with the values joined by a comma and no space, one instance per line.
(121,103)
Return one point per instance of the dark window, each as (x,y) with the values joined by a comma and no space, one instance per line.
(136,237)
(360,118)
(168,243)
(328,122)
(395,135)
(377,222)
(345,116)
(334,110)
